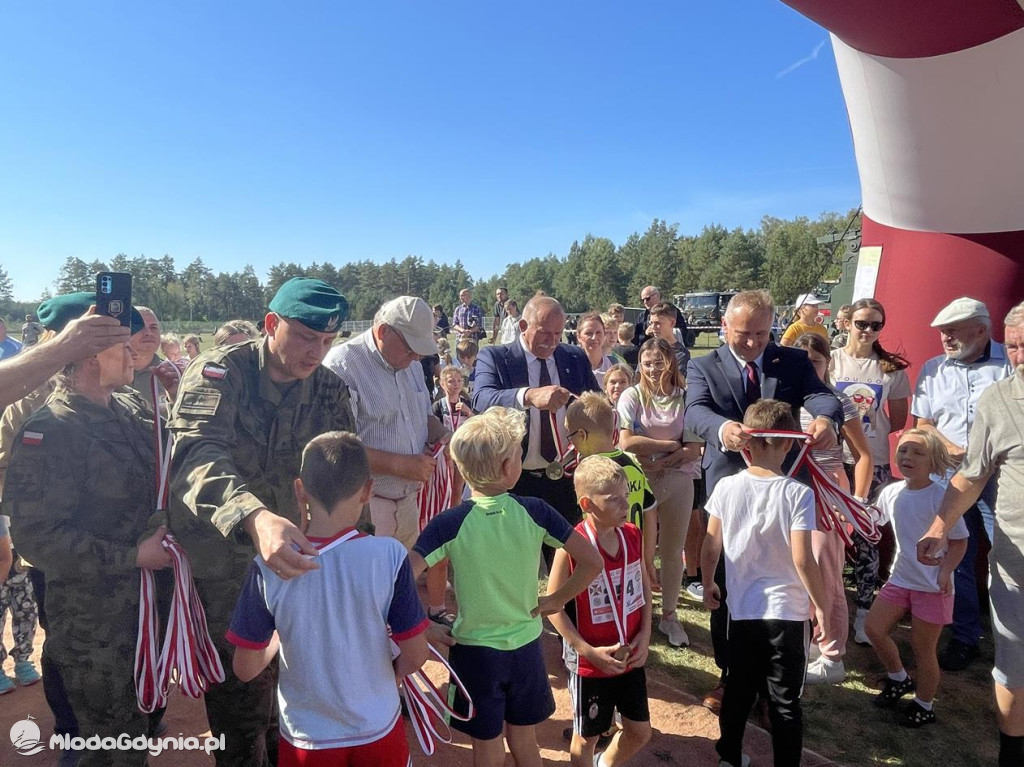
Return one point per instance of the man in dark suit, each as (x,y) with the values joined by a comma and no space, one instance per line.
(650,296)
(721,385)
(538,374)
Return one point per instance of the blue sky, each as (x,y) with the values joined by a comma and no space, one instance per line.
(263,132)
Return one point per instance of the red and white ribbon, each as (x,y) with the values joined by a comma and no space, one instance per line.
(618,607)
(436,495)
(568,457)
(188,655)
(832,504)
(428,709)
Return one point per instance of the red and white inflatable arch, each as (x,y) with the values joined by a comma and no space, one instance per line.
(935,96)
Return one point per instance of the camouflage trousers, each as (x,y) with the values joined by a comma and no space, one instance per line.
(866,558)
(17,596)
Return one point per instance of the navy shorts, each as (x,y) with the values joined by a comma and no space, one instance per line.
(595,698)
(506,686)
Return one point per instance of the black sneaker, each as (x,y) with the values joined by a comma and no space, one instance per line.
(890,695)
(915,715)
(957,656)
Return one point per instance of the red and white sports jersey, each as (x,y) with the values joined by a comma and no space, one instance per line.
(594,618)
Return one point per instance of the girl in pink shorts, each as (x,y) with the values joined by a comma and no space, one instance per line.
(926,591)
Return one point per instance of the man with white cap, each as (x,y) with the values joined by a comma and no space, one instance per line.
(945,401)
(805,319)
(391,404)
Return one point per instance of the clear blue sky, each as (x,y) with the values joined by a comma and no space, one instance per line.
(262,132)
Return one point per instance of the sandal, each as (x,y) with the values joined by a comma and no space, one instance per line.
(890,695)
(915,716)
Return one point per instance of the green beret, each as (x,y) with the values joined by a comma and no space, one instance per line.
(314,303)
(55,313)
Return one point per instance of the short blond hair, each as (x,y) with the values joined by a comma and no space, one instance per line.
(596,473)
(754,301)
(626,331)
(485,442)
(938,455)
(591,412)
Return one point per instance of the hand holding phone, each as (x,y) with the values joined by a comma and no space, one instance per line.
(114,296)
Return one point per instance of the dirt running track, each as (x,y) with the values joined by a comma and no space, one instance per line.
(684,731)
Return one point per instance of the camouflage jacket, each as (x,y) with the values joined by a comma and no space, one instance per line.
(80,486)
(238,440)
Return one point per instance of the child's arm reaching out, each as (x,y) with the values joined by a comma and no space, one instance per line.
(588,565)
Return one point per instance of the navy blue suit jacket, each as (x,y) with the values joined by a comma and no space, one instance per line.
(716,393)
(501,372)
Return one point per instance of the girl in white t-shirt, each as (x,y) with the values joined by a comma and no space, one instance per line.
(651,427)
(876,380)
(926,591)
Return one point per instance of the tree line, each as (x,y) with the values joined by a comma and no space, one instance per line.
(781,255)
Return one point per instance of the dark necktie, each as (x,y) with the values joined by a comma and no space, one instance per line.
(547,439)
(753,383)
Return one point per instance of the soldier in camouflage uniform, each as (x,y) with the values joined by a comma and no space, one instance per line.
(241,419)
(80,489)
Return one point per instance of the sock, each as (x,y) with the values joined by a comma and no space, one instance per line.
(828,661)
(435,609)
(1011,750)
(926,706)
(601,762)
(899,676)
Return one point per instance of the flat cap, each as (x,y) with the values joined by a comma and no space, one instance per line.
(961,309)
(55,313)
(314,303)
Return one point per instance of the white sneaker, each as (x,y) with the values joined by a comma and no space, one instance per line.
(859,635)
(696,591)
(673,629)
(824,671)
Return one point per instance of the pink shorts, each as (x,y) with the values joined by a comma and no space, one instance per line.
(928,606)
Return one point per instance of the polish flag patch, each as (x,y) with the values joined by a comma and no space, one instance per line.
(32,438)
(216,372)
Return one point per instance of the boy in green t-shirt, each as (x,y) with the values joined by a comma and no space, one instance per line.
(494,542)
(590,424)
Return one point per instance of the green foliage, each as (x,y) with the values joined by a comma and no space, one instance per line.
(782,255)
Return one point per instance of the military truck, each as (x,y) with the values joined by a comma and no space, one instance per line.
(703,312)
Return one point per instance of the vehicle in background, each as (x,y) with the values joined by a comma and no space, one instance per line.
(703,312)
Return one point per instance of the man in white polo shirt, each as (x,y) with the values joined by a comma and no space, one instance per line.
(391,404)
(945,401)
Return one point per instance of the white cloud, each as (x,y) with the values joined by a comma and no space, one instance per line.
(805,60)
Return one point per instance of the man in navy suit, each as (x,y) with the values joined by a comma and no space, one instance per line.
(539,374)
(721,385)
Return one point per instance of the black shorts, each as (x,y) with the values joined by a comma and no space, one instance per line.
(505,685)
(700,495)
(595,698)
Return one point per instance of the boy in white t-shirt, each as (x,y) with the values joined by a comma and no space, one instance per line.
(337,692)
(762,521)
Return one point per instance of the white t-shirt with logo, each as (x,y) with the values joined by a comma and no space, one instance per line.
(758,515)
(911,513)
(863,381)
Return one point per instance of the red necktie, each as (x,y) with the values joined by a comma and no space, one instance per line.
(753,383)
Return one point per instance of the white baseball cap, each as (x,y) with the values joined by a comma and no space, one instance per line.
(807,299)
(961,309)
(411,317)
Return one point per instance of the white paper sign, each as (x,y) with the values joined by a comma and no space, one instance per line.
(867,272)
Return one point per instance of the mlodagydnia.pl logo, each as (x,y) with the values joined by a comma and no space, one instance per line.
(25,737)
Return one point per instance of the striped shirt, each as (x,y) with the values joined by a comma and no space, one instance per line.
(390,406)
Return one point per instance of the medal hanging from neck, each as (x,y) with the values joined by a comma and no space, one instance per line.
(618,605)
(567,458)
(453,414)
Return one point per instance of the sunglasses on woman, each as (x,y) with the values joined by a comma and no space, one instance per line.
(865,325)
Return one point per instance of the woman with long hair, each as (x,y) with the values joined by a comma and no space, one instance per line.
(651,427)
(827,547)
(876,380)
(590,334)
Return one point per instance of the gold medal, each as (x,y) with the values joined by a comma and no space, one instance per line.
(554,470)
